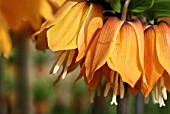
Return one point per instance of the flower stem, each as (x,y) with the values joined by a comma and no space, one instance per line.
(123,104)
(125,9)
(21,78)
(139,104)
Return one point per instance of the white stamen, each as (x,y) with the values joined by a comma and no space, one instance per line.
(59,62)
(114,100)
(56,68)
(153,98)
(164,93)
(161,101)
(64,73)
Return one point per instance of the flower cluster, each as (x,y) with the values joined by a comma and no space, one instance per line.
(116,50)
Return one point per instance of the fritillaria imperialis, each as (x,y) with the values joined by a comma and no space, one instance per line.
(126,51)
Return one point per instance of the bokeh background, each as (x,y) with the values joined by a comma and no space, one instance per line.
(42,97)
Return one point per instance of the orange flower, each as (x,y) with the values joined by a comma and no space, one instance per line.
(73,28)
(29,10)
(121,45)
(156,63)
(113,79)
(157,60)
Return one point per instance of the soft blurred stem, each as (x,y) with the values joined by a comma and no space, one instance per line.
(1,86)
(98,105)
(123,104)
(125,10)
(22,82)
(139,104)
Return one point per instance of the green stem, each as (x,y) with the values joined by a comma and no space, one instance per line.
(125,9)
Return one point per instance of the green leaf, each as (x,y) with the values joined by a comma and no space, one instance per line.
(161,8)
(116,5)
(139,6)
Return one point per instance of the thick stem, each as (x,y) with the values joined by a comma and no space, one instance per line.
(139,104)
(1,87)
(125,9)
(22,83)
(123,104)
(98,107)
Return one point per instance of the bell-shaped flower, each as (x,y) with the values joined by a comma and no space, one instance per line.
(156,63)
(121,46)
(73,28)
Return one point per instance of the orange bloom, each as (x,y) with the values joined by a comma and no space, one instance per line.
(121,45)
(73,28)
(156,63)
(29,10)
(113,80)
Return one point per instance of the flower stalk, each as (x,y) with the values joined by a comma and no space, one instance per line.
(21,79)
(125,10)
(123,104)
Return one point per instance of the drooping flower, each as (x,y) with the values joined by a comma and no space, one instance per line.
(157,60)
(72,29)
(121,46)
(156,63)
(113,79)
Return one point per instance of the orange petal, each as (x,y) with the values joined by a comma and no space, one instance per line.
(57,3)
(138,27)
(95,81)
(41,43)
(166,19)
(103,48)
(106,72)
(5,42)
(63,35)
(92,22)
(17,10)
(60,14)
(81,74)
(124,58)
(166,80)
(90,55)
(153,69)
(134,90)
(162,31)
(46,10)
